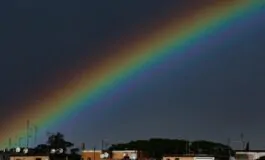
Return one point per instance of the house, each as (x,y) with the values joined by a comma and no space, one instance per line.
(37,157)
(91,154)
(115,155)
(250,154)
(29,157)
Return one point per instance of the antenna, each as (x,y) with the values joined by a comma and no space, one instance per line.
(16,141)
(19,141)
(35,134)
(28,133)
(241,136)
(102,144)
(242,140)
(9,143)
(228,142)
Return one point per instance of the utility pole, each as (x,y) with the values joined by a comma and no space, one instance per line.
(94,154)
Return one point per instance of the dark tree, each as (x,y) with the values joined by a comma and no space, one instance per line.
(74,150)
(42,148)
(57,141)
(74,154)
(158,147)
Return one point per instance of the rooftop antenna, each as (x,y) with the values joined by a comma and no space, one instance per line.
(229,145)
(9,143)
(20,141)
(242,140)
(228,142)
(35,134)
(16,141)
(28,123)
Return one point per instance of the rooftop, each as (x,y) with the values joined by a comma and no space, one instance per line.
(188,155)
(252,150)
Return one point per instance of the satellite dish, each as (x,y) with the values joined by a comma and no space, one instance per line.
(53,151)
(133,156)
(102,156)
(25,150)
(60,150)
(18,149)
(106,154)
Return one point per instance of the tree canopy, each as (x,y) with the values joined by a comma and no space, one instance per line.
(56,141)
(158,147)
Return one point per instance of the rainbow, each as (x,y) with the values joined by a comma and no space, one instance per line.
(174,33)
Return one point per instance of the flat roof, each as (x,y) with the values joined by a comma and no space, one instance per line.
(255,150)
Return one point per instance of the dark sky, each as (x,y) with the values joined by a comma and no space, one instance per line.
(214,91)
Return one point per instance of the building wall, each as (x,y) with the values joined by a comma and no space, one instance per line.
(120,154)
(249,155)
(187,158)
(116,155)
(91,155)
(29,158)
